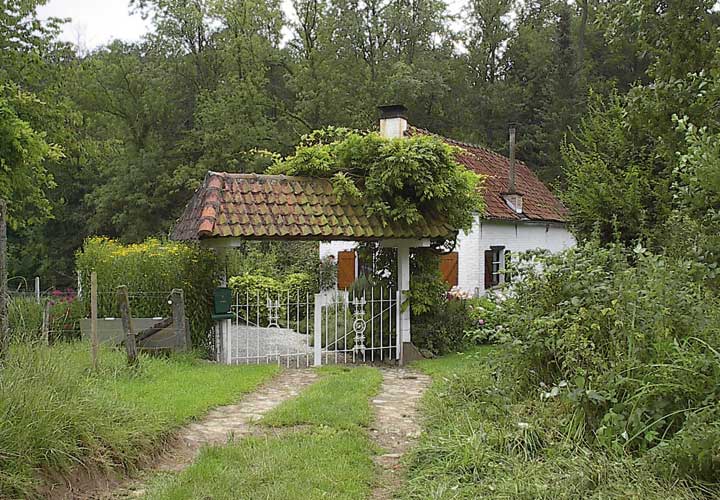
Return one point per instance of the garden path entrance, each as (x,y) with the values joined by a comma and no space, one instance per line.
(297,331)
(397,424)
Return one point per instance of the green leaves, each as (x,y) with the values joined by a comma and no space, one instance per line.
(402,180)
(24,180)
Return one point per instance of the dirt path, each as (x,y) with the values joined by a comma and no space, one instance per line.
(219,426)
(397,424)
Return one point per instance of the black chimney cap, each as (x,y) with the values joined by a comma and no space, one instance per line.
(392,111)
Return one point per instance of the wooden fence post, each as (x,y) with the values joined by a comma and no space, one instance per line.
(182,332)
(93,320)
(4,340)
(46,323)
(124,305)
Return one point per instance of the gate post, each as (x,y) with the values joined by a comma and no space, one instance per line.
(317,330)
(227,341)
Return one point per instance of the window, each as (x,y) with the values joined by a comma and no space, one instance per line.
(495,266)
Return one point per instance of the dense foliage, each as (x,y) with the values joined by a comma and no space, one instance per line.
(484,439)
(624,344)
(400,180)
(215,81)
(151,270)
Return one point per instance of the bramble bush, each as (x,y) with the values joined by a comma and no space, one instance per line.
(151,270)
(629,346)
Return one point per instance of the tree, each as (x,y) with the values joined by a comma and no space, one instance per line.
(25,180)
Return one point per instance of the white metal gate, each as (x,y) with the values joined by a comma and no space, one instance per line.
(300,331)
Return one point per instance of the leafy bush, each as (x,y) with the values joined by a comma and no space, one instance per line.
(401,180)
(628,343)
(443,328)
(273,258)
(256,285)
(151,270)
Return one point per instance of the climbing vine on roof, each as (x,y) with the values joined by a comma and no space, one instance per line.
(401,180)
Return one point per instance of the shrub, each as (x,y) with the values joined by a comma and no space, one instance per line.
(442,329)
(626,341)
(254,285)
(151,270)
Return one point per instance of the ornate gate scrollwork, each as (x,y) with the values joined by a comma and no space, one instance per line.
(359,324)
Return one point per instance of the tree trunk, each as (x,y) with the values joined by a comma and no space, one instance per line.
(581,37)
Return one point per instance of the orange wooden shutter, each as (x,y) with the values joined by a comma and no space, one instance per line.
(346,269)
(449,268)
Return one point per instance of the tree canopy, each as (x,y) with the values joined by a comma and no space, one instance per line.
(216,82)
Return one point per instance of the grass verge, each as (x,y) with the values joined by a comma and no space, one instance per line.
(339,399)
(319,463)
(56,415)
(481,441)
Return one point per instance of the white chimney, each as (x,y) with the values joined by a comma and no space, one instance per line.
(393,121)
(513,199)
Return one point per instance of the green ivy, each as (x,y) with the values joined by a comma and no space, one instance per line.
(401,180)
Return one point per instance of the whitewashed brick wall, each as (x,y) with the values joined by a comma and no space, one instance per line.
(514,236)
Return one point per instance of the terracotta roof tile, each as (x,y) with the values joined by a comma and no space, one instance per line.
(538,201)
(281,207)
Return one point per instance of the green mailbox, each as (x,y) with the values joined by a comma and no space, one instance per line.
(222,303)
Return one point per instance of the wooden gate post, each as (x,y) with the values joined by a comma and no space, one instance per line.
(93,320)
(4,334)
(124,306)
(182,332)
(46,323)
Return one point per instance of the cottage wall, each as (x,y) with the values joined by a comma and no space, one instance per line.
(514,236)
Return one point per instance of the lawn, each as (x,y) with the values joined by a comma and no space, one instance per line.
(329,457)
(339,399)
(317,463)
(483,441)
(57,415)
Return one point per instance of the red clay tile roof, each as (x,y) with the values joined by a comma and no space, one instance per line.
(280,207)
(539,203)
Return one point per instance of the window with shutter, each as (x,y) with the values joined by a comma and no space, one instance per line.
(494,266)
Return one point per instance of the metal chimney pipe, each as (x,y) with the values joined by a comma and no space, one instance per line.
(511,180)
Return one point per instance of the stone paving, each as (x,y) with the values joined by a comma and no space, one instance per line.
(397,424)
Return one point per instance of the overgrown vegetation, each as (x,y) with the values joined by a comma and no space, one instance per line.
(628,345)
(151,270)
(400,180)
(486,439)
(57,415)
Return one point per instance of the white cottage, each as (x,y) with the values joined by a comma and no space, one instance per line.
(521,214)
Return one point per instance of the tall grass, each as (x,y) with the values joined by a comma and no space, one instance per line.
(484,440)
(57,415)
